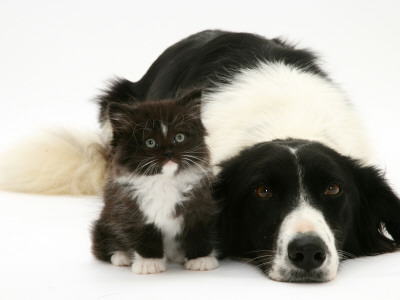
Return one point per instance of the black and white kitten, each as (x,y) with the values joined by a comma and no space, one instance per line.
(158,203)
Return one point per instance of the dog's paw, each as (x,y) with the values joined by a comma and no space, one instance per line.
(121,259)
(205,263)
(148,265)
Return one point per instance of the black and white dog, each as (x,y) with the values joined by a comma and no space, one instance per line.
(296,187)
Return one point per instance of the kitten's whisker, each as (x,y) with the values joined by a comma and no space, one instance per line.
(197,158)
(143,164)
(206,172)
(148,169)
(189,166)
(152,169)
(203,167)
(145,161)
(197,164)
(195,149)
(195,152)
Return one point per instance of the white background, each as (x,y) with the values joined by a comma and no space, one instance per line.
(56,56)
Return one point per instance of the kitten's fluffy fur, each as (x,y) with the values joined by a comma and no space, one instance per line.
(158,204)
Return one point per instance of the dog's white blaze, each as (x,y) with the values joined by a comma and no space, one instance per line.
(304,225)
(278,101)
(158,196)
(304,219)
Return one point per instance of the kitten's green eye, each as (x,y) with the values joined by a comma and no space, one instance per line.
(151,143)
(179,138)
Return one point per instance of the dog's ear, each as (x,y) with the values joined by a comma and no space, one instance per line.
(377,214)
(225,191)
(219,189)
(224,222)
(228,182)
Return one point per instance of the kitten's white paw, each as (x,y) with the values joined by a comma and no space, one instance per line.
(121,259)
(205,263)
(148,265)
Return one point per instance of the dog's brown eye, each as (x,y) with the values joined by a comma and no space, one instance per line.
(332,190)
(263,192)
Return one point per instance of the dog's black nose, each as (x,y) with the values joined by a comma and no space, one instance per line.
(307,252)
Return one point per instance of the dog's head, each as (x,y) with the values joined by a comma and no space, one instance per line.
(296,208)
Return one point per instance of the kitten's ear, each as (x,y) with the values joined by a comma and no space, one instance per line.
(190,98)
(121,116)
(119,91)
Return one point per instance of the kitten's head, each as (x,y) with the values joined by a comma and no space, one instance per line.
(154,137)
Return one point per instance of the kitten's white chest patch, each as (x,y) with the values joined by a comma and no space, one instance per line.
(158,195)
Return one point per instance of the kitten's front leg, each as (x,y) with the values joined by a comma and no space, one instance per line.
(149,255)
(199,252)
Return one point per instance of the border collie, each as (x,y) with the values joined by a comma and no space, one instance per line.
(296,187)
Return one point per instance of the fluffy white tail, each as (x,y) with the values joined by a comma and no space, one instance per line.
(62,162)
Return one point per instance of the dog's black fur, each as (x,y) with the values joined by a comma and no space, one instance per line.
(203,60)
